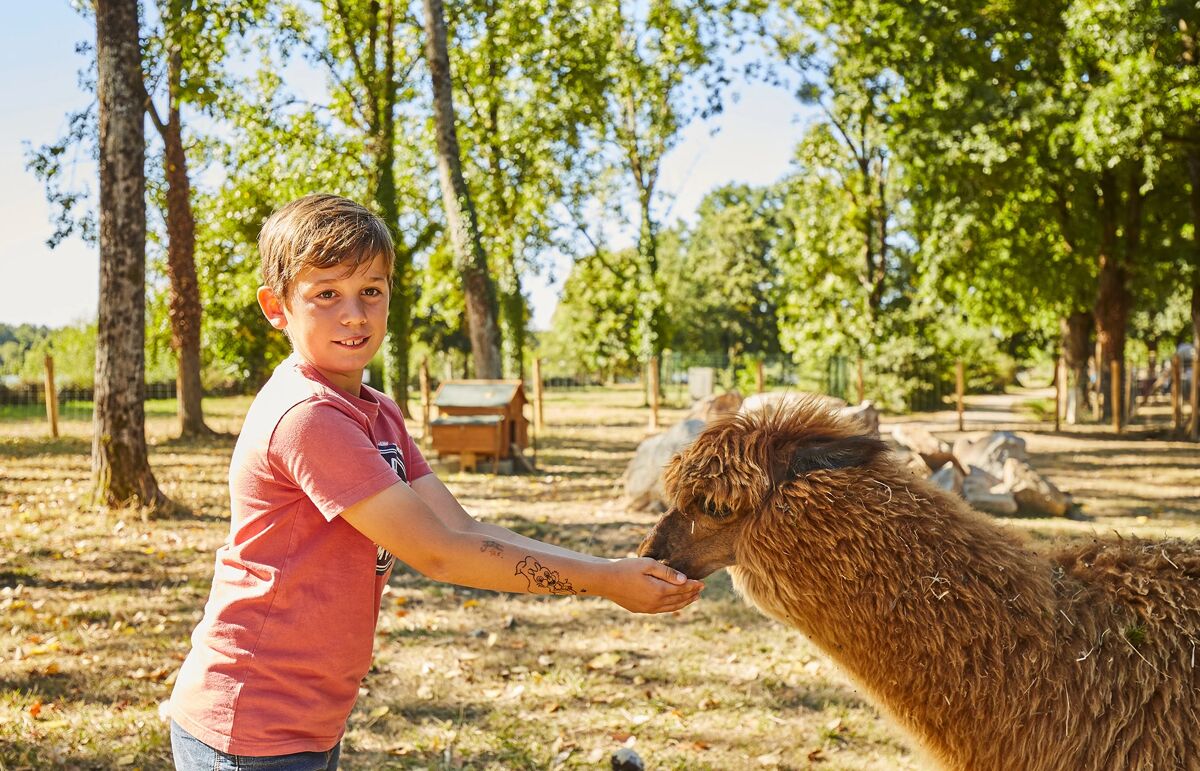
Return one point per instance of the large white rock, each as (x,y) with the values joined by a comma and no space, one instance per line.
(866,414)
(986,492)
(716,405)
(1034,493)
(778,399)
(935,452)
(918,439)
(948,477)
(643,476)
(990,452)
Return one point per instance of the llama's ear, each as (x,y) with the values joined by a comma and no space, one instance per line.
(831,454)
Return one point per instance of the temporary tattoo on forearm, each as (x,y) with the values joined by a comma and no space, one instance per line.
(543,578)
(494,548)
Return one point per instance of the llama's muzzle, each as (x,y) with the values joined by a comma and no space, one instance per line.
(673,542)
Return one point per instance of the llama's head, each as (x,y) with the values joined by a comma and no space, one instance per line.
(737,470)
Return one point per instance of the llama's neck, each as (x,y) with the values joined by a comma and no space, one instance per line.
(920,599)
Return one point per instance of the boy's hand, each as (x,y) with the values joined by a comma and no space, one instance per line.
(643,585)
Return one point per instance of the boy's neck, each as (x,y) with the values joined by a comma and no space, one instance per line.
(350,382)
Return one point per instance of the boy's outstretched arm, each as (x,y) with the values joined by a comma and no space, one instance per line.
(439,498)
(400,521)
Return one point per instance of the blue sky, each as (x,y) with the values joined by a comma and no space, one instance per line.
(38,72)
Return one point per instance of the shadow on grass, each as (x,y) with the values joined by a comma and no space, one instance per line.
(35,755)
(214,443)
(32,447)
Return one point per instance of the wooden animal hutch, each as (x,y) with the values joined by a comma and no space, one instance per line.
(480,417)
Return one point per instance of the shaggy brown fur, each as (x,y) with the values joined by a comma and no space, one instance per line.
(993,656)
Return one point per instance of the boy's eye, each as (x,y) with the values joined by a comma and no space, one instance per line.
(372,292)
(327,294)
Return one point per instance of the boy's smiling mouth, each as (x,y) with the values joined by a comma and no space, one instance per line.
(353,342)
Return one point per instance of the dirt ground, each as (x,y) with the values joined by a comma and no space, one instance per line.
(98,607)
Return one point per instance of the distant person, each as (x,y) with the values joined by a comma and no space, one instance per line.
(326,485)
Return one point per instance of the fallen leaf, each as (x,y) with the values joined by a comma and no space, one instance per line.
(620,736)
(471,604)
(604,661)
(35,709)
(379,712)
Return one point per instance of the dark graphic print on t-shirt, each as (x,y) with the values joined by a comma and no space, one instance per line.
(391,453)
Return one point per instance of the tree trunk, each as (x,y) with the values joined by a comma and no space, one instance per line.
(480,293)
(184,306)
(400,309)
(1114,298)
(650,297)
(513,317)
(1076,333)
(1193,164)
(1194,421)
(121,472)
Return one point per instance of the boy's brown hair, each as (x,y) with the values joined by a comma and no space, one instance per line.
(319,231)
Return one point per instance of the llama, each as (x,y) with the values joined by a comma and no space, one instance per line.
(990,655)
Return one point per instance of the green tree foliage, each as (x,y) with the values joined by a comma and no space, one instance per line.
(369,50)
(594,328)
(529,77)
(16,342)
(665,69)
(273,153)
(722,275)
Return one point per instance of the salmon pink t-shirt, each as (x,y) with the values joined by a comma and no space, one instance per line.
(289,626)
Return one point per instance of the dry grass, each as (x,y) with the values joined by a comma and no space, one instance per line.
(98,607)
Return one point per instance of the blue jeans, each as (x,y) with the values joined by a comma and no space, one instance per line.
(191,754)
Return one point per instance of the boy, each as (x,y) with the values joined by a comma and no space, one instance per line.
(326,486)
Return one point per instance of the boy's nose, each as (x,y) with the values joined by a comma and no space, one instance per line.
(355,313)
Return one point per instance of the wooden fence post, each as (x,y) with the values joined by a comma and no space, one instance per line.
(425,399)
(1194,399)
(959,387)
(758,377)
(1114,378)
(652,380)
(1130,392)
(1099,410)
(1176,393)
(862,388)
(539,419)
(51,397)
(1060,388)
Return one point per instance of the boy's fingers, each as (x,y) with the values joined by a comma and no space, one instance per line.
(666,573)
(678,605)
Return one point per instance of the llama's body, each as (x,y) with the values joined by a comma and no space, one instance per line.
(991,655)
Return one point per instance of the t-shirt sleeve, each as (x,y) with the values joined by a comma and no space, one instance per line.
(414,460)
(330,457)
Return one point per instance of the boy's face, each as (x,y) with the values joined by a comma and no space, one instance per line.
(336,321)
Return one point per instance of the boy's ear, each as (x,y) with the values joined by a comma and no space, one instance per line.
(272,307)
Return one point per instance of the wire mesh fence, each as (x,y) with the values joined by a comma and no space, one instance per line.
(26,402)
